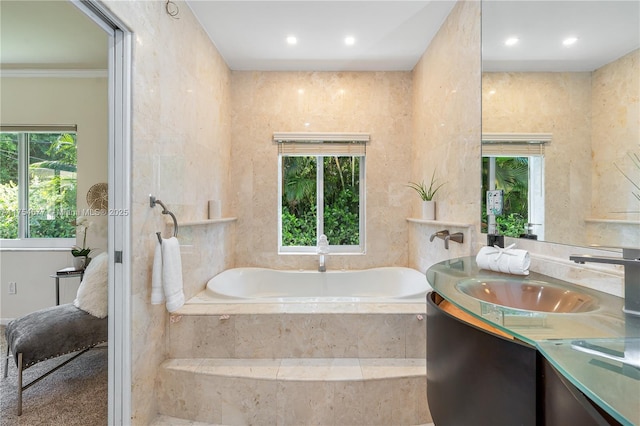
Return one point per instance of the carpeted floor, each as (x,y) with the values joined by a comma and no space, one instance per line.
(75,395)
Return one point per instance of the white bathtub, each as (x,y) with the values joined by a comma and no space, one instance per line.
(261,285)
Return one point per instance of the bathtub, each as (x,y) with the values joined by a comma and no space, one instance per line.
(262,285)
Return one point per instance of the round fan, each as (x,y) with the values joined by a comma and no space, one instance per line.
(98,196)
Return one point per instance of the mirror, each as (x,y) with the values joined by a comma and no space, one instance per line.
(581,185)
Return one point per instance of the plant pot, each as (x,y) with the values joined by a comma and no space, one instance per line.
(79,262)
(429,210)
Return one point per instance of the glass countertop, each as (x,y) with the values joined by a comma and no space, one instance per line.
(611,384)
(608,382)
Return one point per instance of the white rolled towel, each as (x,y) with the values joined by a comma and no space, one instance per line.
(507,260)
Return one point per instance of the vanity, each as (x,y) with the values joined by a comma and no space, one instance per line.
(527,350)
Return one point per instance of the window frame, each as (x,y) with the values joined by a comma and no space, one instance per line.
(531,146)
(319,153)
(22,242)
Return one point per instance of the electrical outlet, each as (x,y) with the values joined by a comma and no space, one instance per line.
(12,288)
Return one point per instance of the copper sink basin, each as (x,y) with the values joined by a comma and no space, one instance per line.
(527,295)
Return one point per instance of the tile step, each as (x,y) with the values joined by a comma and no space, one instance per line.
(295,391)
(302,369)
(162,420)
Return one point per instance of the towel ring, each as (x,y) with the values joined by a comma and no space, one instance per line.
(152,202)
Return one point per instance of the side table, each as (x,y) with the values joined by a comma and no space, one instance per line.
(65,273)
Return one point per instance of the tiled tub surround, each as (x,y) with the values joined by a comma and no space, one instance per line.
(299,363)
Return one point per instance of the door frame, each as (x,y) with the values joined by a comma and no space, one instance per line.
(119,214)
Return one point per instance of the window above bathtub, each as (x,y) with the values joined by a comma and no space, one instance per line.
(321,190)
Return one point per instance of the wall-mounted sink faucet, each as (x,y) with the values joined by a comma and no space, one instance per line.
(630,358)
(458,237)
(631,261)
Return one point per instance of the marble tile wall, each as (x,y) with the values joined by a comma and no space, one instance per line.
(378,103)
(446,131)
(180,153)
(298,336)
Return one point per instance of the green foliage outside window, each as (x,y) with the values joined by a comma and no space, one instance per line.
(512,176)
(51,208)
(341,200)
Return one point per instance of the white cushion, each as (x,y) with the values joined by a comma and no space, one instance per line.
(93,293)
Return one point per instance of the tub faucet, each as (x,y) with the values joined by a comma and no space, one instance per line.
(322,250)
(631,261)
(458,237)
(439,234)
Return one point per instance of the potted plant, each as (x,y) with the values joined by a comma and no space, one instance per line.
(427,194)
(81,254)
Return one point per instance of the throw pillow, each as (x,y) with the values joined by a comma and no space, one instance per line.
(93,293)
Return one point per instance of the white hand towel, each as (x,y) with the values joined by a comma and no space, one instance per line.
(172,274)
(166,282)
(507,260)
(157,293)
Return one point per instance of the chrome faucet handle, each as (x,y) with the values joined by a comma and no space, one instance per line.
(458,237)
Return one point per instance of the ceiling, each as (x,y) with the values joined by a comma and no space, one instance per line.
(49,35)
(606,30)
(389,35)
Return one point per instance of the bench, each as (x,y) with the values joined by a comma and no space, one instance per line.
(50,333)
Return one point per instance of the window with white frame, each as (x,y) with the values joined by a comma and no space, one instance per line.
(38,184)
(321,191)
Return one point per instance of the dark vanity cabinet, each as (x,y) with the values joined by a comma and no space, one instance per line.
(476,377)
(564,404)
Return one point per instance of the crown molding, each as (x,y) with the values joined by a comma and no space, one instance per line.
(53,73)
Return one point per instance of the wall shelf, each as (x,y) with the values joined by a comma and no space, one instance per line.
(612,221)
(439,223)
(209,221)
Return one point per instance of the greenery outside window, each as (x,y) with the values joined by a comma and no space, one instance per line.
(322,191)
(514,164)
(38,181)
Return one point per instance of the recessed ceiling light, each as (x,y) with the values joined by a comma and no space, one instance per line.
(292,40)
(569,41)
(511,41)
(349,41)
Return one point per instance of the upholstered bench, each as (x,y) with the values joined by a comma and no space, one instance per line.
(60,330)
(50,333)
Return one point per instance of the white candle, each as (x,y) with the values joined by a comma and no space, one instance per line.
(215,209)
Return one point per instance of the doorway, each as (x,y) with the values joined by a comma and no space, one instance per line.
(119,221)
